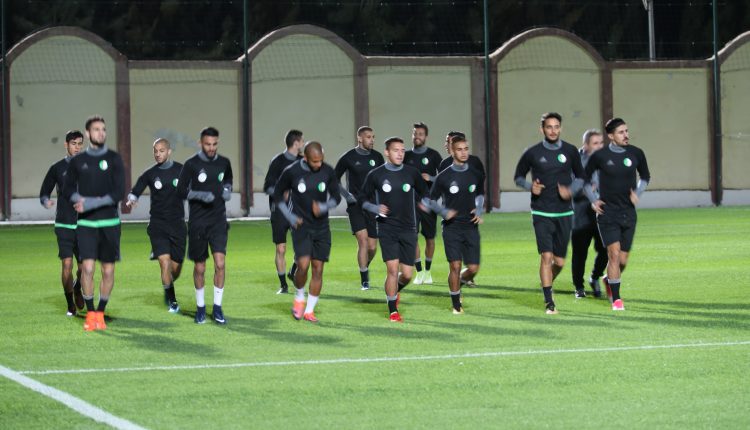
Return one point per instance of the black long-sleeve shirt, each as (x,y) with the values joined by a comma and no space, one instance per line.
(96,173)
(617,167)
(474,162)
(357,163)
(306,186)
(205,175)
(278,163)
(552,165)
(399,188)
(425,160)
(162,181)
(65,215)
(459,189)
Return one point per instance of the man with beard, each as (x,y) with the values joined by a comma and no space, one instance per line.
(357,163)
(556,174)
(426,160)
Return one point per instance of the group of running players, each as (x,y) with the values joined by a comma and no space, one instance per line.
(390,198)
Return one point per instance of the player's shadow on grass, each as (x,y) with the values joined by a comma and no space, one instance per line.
(401,331)
(493,330)
(276,330)
(692,305)
(155,336)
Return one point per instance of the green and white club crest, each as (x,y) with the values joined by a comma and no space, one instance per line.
(322,187)
(562,158)
(406,188)
(627,162)
(103,165)
(372,163)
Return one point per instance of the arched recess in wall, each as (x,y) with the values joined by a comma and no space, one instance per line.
(734,59)
(58,77)
(308,78)
(543,70)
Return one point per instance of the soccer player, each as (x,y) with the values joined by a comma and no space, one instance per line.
(357,163)
(473,161)
(206,182)
(460,187)
(94,183)
(426,160)
(65,222)
(584,225)
(313,191)
(391,192)
(279,225)
(166,227)
(557,175)
(619,166)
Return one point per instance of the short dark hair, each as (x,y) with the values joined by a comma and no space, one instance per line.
(391,140)
(363,129)
(161,139)
(292,136)
(313,147)
(92,119)
(423,126)
(457,138)
(210,132)
(72,135)
(612,124)
(548,115)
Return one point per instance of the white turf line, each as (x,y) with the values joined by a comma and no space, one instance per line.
(78,405)
(391,359)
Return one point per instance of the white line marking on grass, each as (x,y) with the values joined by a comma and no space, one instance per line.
(388,359)
(78,405)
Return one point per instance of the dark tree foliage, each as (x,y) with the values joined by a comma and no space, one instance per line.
(213,30)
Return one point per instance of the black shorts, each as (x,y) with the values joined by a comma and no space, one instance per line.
(397,244)
(360,219)
(102,243)
(461,244)
(168,239)
(67,245)
(279,227)
(314,242)
(618,227)
(201,236)
(552,234)
(427,224)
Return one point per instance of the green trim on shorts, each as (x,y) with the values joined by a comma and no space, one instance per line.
(68,226)
(99,223)
(547,214)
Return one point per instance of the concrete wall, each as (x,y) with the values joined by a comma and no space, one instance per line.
(735,106)
(667,115)
(543,74)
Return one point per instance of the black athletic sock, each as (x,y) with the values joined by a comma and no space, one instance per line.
(169,289)
(456,299)
(89,304)
(418,264)
(392,305)
(69,299)
(282,280)
(293,269)
(622,268)
(547,294)
(615,288)
(77,285)
(401,286)
(102,304)
(364,276)
(427,264)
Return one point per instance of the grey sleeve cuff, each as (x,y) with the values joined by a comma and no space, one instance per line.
(91,203)
(43,200)
(371,207)
(523,183)
(434,206)
(642,184)
(479,203)
(270,190)
(576,186)
(226,193)
(349,197)
(590,194)
(330,204)
(432,178)
(203,196)
(290,217)
(75,197)
(132,197)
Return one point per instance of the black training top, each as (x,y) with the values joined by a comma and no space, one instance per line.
(161,180)
(96,173)
(357,163)
(459,190)
(425,160)
(551,167)
(307,186)
(474,162)
(65,215)
(399,188)
(617,174)
(278,163)
(201,173)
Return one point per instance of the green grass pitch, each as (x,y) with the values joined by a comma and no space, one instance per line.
(678,357)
